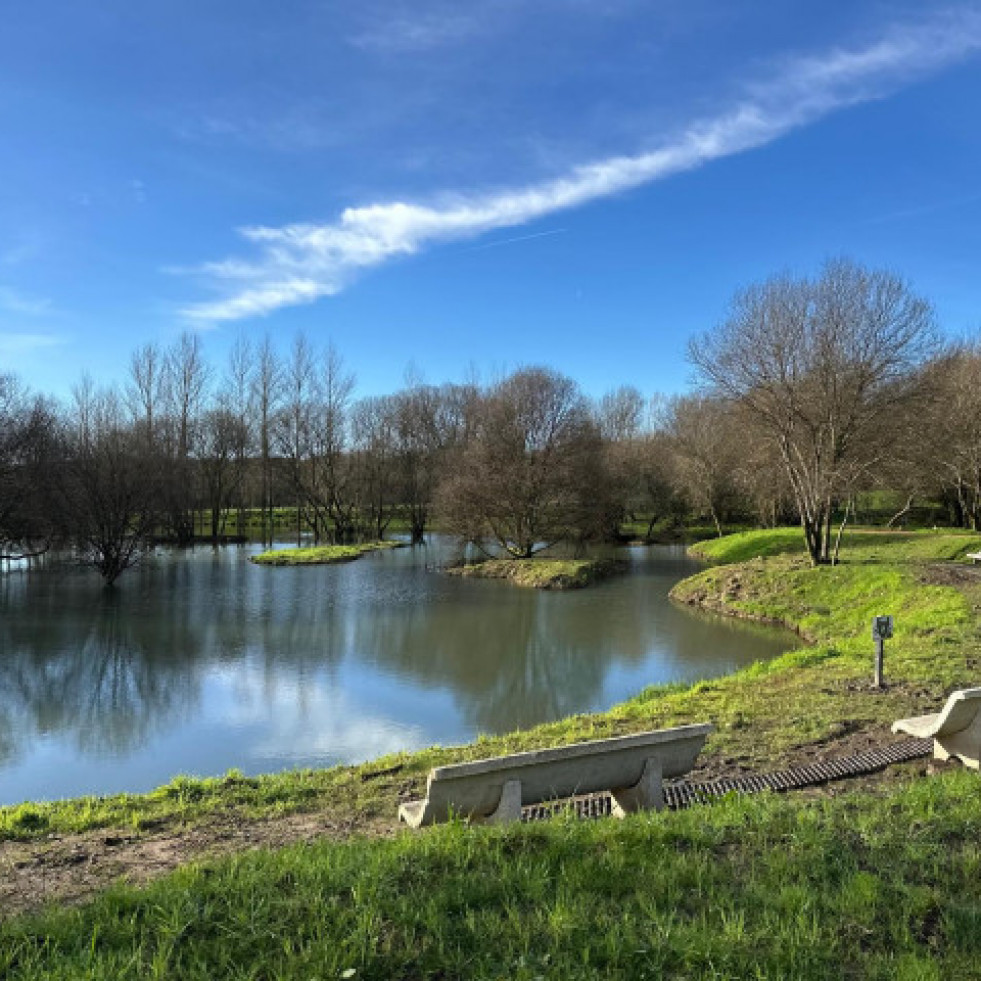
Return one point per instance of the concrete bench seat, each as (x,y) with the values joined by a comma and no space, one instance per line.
(975,557)
(494,790)
(955,729)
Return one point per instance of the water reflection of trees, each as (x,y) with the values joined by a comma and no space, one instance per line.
(513,659)
(525,662)
(101,678)
(107,672)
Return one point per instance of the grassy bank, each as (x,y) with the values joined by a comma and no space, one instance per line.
(543,573)
(881,884)
(759,887)
(320,554)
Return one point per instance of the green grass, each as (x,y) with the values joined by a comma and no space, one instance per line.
(320,554)
(813,692)
(760,887)
(860,545)
(186,800)
(670,531)
(543,573)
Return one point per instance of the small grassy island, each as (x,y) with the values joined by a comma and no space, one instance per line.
(872,877)
(320,554)
(543,573)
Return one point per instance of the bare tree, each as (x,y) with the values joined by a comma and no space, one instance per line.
(430,425)
(221,441)
(820,365)
(373,454)
(295,421)
(332,483)
(953,445)
(267,383)
(708,455)
(113,487)
(620,414)
(532,475)
(187,378)
(30,467)
(146,390)
(235,397)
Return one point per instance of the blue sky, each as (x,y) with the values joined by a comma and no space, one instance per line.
(462,187)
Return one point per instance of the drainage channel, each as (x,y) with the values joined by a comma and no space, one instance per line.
(683,794)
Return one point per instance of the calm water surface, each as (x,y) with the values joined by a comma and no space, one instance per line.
(200,661)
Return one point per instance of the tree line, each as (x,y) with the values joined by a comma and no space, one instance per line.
(811,391)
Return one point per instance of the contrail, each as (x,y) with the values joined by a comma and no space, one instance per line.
(517,238)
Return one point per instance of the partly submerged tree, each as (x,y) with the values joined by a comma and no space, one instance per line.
(113,487)
(532,473)
(30,451)
(821,365)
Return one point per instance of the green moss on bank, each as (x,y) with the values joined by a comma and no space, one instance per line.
(542,573)
(320,554)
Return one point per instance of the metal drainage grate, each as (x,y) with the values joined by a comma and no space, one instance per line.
(683,794)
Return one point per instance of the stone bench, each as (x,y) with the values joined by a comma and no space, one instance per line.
(494,790)
(975,557)
(955,729)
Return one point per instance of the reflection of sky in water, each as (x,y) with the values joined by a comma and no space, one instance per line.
(203,662)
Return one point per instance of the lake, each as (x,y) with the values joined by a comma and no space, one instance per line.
(200,661)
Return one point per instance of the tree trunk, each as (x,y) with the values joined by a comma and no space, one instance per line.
(903,510)
(826,544)
(841,528)
(812,537)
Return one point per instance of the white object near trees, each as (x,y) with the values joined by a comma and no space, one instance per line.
(955,730)
(494,790)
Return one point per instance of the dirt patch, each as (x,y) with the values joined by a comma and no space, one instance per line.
(69,869)
(950,574)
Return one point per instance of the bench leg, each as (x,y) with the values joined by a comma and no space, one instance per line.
(413,812)
(509,806)
(647,794)
(965,745)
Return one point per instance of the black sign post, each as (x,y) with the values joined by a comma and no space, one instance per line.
(881,631)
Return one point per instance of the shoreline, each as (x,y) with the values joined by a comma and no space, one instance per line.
(807,702)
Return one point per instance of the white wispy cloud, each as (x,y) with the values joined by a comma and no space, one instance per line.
(23,250)
(14,301)
(13,343)
(396,27)
(300,263)
(413,32)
